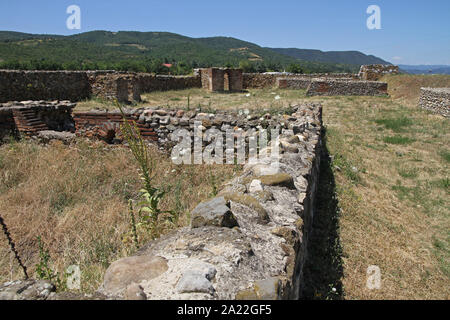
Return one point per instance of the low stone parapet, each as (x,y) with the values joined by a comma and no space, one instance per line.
(323,87)
(436,100)
(269,79)
(293,83)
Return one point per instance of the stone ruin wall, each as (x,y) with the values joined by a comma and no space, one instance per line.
(150,82)
(249,242)
(322,87)
(110,85)
(80,85)
(374,72)
(221,79)
(127,86)
(436,100)
(43,85)
(270,80)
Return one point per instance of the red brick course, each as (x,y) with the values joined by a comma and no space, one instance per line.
(107,125)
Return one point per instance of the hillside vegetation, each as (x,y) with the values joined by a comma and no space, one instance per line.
(340,57)
(146,52)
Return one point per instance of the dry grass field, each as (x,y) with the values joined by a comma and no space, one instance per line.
(383,198)
(390,165)
(259,100)
(75,198)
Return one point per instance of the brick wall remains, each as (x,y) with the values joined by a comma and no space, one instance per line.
(159,124)
(322,87)
(248,242)
(436,100)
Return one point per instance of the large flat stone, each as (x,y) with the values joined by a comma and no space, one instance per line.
(135,269)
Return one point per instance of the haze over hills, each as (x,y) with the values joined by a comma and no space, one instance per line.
(144,51)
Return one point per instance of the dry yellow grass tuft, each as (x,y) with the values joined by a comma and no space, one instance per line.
(75,198)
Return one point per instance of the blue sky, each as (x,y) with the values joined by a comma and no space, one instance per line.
(413,32)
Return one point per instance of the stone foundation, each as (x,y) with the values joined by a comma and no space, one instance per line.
(320,87)
(436,100)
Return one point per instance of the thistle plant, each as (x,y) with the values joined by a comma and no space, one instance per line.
(150,214)
(43,269)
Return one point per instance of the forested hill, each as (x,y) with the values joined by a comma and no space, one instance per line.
(146,52)
(345,57)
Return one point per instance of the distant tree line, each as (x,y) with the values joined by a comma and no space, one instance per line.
(157,66)
(150,66)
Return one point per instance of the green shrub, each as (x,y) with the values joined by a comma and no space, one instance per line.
(398,140)
(396,124)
